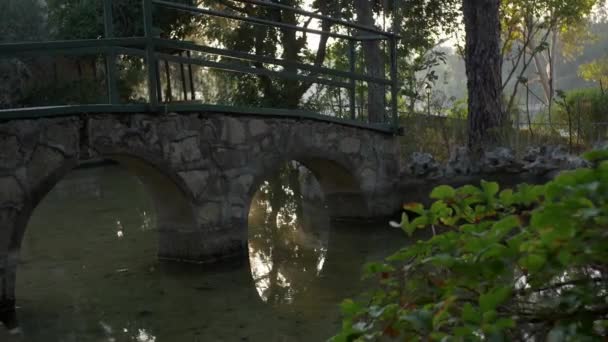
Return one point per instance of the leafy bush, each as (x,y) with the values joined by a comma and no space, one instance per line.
(525,264)
(585,111)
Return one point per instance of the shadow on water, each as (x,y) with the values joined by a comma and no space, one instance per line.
(89,272)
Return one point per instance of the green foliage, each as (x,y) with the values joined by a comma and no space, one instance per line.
(510,265)
(588,115)
(596,71)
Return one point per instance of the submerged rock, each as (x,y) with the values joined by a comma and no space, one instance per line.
(500,159)
(546,159)
(601,145)
(424,165)
(461,163)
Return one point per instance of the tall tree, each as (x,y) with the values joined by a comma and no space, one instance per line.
(536,34)
(283,43)
(374,63)
(483,66)
(596,71)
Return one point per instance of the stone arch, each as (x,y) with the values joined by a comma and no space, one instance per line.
(338,178)
(171,198)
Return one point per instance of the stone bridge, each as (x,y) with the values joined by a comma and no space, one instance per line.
(201,171)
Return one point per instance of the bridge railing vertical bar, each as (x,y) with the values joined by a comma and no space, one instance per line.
(352,60)
(191,77)
(156,50)
(151,62)
(111,78)
(182,73)
(394,83)
(169,94)
(394,41)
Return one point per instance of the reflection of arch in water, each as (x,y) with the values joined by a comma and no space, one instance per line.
(338,178)
(170,198)
(287,256)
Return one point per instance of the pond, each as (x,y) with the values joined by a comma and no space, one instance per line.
(89,272)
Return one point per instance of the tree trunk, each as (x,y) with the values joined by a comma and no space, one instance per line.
(374,63)
(483,66)
(292,47)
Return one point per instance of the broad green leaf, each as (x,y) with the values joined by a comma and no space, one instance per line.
(505,226)
(506,197)
(490,188)
(533,262)
(420,221)
(494,250)
(564,257)
(470,315)
(376,267)
(350,307)
(493,298)
(596,155)
(443,192)
(415,208)
(469,190)
(490,316)
(503,323)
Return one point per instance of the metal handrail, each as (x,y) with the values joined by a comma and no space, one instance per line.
(11,49)
(322,17)
(254,20)
(155,49)
(270,60)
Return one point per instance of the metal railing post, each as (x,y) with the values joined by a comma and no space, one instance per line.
(151,61)
(394,83)
(191,77)
(169,93)
(108,25)
(353,85)
(182,73)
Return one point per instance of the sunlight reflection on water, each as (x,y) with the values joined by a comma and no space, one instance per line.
(283,246)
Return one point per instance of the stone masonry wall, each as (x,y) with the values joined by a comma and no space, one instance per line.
(201,170)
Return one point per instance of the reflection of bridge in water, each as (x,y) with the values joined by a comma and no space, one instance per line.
(98,283)
(201,163)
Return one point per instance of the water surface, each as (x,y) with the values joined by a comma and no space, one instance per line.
(89,270)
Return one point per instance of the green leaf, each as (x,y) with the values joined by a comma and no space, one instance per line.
(469,190)
(406,226)
(414,207)
(504,323)
(420,221)
(564,257)
(490,316)
(350,307)
(494,250)
(490,188)
(443,192)
(596,155)
(376,267)
(470,315)
(495,297)
(505,226)
(506,197)
(533,262)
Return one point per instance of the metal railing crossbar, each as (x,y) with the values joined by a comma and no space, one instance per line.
(155,49)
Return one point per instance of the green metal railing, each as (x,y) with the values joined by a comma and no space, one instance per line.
(154,49)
